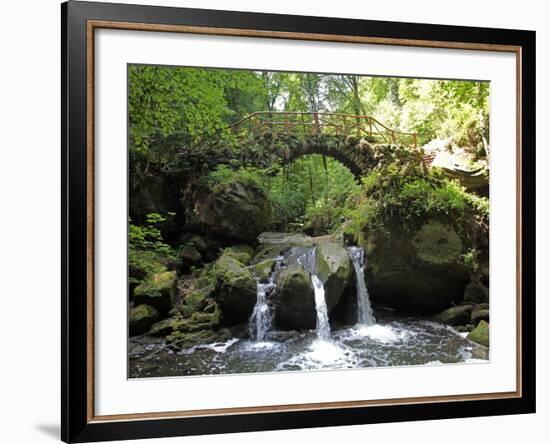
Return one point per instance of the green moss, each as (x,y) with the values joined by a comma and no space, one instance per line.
(243,253)
(157,290)
(438,243)
(263,269)
(480,334)
(141,318)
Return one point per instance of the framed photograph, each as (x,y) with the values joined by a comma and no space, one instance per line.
(275,221)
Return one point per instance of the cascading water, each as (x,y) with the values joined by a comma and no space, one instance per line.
(262,317)
(323,326)
(365,315)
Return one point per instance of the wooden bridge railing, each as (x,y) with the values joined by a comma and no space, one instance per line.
(326,123)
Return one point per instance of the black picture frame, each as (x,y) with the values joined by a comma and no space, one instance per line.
(76,423)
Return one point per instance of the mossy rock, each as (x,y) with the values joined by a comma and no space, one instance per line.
(196,300)
(480,334)
(157,290)
(235,211)
(437,243)
(294,299)
(140,265)
(235,289)
(263,269)
(141,318)
(268,251)
(415,265)
(334,269)
(164,327)
(243,253)
(480,314)
(188,257)
(459,315)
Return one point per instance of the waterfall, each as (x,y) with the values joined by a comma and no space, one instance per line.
(323,327)
(364,309)
(262,316)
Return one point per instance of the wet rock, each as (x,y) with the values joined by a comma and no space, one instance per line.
(141,318)
(456,315)
(263,269)
(237,211)
(334,269)
(480,315)
(480,334)
(235,289)
(294,299)
(416,269)
(157,290)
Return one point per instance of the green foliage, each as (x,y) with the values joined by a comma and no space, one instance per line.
(471,259)
(147,252)
(225,175)
(416,195)
(148,237)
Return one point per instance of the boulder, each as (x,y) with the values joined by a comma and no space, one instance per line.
(188,257)
(235,211)
(480,314)
(235,289)
(141,318)
(294,299)
(243,253)
(334,269)
(480,334)
(476,292)
(459,315)
(416,268)
(163,328)
(263,269)
(157,290)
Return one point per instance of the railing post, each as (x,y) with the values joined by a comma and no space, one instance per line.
(414,139)
(316,122)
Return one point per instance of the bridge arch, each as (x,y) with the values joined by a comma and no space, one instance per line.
(344,137)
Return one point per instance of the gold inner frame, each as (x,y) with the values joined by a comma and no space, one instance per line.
(97,24)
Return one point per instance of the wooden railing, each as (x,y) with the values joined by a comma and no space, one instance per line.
(305,123)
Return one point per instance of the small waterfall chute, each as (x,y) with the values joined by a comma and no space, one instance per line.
(365,315)
(322,329)
(261,319)
(323,326)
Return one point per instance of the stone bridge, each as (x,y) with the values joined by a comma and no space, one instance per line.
(347,138)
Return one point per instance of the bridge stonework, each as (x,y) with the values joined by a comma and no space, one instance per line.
(358,142)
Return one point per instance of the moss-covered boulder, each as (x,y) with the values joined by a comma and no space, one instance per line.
(480,334)
(415,267)
(294,299)
(157,290)
(263,269)
(141,318)
(480,314)
(334,269)
(142,264)
(459,315)
(235,289)
(236,210)
(243,253)
(163,328)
